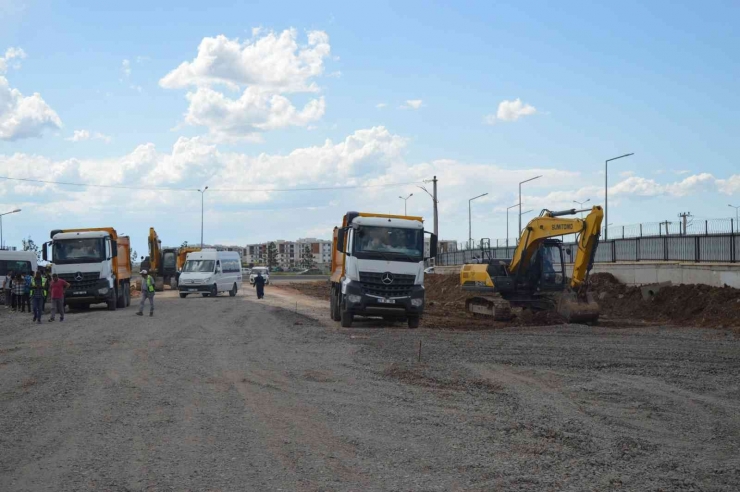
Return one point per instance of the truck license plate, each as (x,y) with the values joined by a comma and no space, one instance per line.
(387,301)
(79,293)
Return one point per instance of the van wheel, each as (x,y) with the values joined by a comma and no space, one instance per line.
(205,294)
(232,292)
(183,296)
(214,291)
(346,318)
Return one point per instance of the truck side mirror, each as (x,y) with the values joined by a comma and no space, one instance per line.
(44,253)
(341,234)
(113,249)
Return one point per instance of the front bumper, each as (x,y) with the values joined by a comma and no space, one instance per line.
(359,303)
(100,292)
(194,288)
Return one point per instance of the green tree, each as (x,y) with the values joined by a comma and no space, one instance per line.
(30,245)
(134,256)
(184,244)
(272,254)
(307,259)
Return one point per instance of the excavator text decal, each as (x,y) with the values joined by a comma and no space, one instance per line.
(562,227)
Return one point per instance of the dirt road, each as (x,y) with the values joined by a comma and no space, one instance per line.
(239,394)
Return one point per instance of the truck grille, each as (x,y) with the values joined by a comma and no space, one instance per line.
(89,279)
(372,284)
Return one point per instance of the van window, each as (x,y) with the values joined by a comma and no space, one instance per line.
(231,266)
(198,266)
(15,266)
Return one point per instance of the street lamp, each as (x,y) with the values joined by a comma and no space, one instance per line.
(470,221)
(1,224)
(404,201)
(606,189)
(736,215)
(520,199)
(201,215)
(580,204)
(507,223)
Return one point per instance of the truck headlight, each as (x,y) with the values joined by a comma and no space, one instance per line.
(354,298)
(417,302)
(103,291)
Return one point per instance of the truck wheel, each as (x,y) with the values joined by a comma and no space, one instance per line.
(214,291)
(413,321)
(346,318)
(183,296)
(127,294)
(205,294)
(334,312)
(121,297)
(232,292)
(113,301)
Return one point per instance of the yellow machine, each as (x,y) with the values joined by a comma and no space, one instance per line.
(535,277)
(161,263)
(182,255)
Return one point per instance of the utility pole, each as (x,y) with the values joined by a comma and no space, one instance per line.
(520,199)
(666,223)
(606,190)
(434,201)
(507,223)
(684,217)
(737,216)
(405,199)
(201,215)
(470,220)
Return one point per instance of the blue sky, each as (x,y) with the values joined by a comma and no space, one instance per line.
(658,80)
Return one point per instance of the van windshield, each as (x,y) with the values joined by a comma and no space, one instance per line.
(199,266)
(255,271)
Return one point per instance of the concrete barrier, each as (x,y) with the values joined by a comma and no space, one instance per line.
(642,273)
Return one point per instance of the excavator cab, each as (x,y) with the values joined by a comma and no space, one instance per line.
(546,272)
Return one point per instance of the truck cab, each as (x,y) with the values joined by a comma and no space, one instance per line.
(378,268)
(92,264)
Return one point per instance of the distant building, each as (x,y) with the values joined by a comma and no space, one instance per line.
(290,253)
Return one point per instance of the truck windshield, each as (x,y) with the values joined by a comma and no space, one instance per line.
(88,250)
(169,260)
(199,266)
(389,243)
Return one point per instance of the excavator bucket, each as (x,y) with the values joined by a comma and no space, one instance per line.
(578,310)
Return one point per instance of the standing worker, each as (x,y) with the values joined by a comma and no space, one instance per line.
(19,288)
(147,292)
(26,299)
(38,293)
(259,284)
(57,288)
(7,291)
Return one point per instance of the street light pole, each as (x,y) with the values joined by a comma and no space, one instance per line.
(737,216)
(520,200)
(404,201)
(435,201)
(507,223)
(2,243)
(201,215)
(580,204)
(606,191)
(470,221)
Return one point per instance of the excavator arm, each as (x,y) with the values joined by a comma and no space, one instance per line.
(551,224)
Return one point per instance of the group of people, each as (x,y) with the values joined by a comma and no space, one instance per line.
(24,290)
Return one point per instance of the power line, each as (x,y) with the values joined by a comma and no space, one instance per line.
(223,190)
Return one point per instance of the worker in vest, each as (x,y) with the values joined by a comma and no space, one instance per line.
(38,293)
(147,292)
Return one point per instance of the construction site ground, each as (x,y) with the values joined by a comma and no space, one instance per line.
(240,394)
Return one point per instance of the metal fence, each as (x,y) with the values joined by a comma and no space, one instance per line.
(720,248)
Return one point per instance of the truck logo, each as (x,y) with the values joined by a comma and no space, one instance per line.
(387,278)
(78,276)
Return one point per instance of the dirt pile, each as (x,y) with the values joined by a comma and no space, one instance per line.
(320,289)
(696,304)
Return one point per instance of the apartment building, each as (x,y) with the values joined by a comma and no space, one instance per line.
(289,253)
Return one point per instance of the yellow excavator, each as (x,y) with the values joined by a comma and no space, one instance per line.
(161,262)
(535,277)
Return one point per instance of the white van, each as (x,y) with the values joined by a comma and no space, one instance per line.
(209,272)
(263,270)
(17,262)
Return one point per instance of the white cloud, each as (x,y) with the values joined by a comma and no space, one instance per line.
(82,135)
(412,104)
(627,174)
(126,68)
(22,116)
(381,105)
(266,69)
(10,54)
(510,111)
(681,171)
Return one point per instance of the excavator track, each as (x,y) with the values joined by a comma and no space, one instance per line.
(496,307)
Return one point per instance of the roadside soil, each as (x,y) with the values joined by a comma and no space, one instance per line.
(239,394)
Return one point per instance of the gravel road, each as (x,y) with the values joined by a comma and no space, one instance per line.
(239,394)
